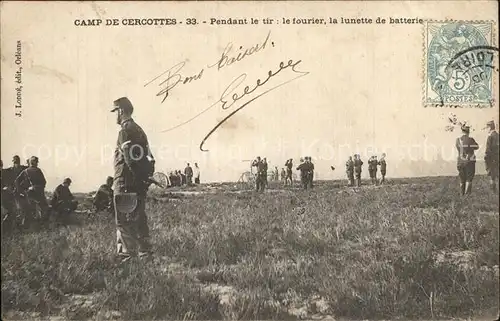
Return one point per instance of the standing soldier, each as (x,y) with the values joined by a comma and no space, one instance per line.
(303,173)
(358,163)
(134,165)
(466,161)
(372,169)
(266,167)
(383,168)
(31,182)
(196,174)
(310,171)
(188,171)
(103,199)
(349,168)
(289,166)
(276,173)
(491,155)
(261,174)
(283,175)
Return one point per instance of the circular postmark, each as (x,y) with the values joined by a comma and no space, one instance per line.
(461,64)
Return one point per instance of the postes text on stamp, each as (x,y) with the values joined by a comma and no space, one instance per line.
(459,64)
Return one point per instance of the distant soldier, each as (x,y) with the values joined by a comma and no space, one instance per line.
(310,171)
(179,177)
(266,167)
(349,169)
(103,199)
(466,161)
(491,157)
(289,166)
(196,174)
(188,171)
(304,171)
(31,183)
(383,168)
(358,163)
(134,165)
(372,169)
(276,174)
(261,174)
(283,175)
(63,202)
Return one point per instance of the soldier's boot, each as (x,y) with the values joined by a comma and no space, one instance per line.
(462,189)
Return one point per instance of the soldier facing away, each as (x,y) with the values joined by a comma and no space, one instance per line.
(134,164)
(491,155)
(103,199)
(283,175)
(358,163)
(466,161)
(349,168)
(383,168)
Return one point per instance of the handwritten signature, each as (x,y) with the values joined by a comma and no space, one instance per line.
(227,58)
(236,83)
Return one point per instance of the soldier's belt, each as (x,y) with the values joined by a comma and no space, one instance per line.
(125,202)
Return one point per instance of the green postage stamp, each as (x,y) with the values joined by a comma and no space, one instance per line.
(460,64)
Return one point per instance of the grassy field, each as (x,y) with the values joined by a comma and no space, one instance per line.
(412,249)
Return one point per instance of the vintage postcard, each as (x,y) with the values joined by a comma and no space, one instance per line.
(326,160)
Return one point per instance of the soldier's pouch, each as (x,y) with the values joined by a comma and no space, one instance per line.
(125,205)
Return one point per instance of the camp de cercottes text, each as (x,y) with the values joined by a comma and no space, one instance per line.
(241,21)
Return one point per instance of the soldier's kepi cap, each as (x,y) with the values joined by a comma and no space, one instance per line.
(124,104)
(491,124)
(465,128)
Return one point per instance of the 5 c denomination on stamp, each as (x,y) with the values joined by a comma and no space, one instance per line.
(459,64)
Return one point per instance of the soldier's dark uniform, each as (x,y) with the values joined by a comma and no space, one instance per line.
(383,169)
(264,175)
(491,156)
(289,166)
(9,188)
(63,202)
(358,163)
(349,168)
(103,199)
(188,172)
(261,176)
(466,161)
(31,182)
(372,169)
(310,172)
(304,169)
(133,166)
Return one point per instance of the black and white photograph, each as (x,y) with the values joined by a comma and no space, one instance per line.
(250,160)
